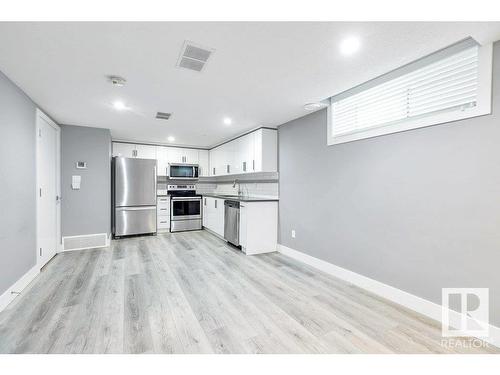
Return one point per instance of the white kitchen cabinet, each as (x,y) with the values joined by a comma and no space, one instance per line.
(215,157)
(127,150)
(191,155)
(145,152)
(265,150)
(219,217)
(208,212)
(183,155)
(131,150)
(258,227)
(245,154)
(203,163)
(253,152)
(175,155)
(213,215)
(161,160)
(163,214)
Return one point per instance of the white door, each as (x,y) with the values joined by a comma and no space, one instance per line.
(48,189)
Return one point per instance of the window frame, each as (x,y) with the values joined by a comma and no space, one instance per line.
(483,107)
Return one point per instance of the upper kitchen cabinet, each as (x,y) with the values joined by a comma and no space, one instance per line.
(253,152)
(183,155)
(131,150)
(127,150)
(145,152)
(203,163)
(216,161)
(162,160)
(265,151)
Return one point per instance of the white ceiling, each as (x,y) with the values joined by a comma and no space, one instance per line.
(261,73)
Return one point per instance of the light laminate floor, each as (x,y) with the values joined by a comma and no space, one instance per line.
(192,293)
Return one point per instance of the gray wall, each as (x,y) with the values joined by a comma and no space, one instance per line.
(88,210)
(418,210)
(17,183)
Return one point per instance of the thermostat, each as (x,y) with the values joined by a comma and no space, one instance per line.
(81,165)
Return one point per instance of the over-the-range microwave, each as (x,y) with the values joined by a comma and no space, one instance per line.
(183,171)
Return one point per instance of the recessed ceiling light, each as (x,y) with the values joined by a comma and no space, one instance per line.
(350,45)
(227,121)
(171,139)
(119,105)
(313,106)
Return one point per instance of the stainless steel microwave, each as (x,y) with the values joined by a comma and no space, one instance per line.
(183,171)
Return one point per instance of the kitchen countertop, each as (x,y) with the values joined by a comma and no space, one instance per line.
(242,198)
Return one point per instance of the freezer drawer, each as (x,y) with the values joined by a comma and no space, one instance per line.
(135,220)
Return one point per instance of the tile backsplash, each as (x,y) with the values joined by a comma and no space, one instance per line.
(254,189)
(263,189)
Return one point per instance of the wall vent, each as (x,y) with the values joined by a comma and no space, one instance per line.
(193,56)
(85,242)
(163,115)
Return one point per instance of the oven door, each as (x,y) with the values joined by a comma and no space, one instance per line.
(183,208)
(183,171)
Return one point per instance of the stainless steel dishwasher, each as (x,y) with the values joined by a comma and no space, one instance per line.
(232,222)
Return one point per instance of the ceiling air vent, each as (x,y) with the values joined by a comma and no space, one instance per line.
(194,56)
(163,115)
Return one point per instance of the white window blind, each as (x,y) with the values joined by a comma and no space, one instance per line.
(447,84)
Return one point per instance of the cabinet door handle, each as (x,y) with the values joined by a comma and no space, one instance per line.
(228,168)
(214,171)
(205,202)
(244,166)
(215,203)
(253,164)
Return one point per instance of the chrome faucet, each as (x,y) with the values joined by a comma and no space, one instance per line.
(234,185)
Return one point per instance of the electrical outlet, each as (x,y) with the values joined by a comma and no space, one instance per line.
(293,233)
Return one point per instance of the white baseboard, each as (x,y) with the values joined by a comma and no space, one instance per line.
(408,300)
(7,297)
(86,241)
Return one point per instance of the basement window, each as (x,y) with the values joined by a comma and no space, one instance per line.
(449,85)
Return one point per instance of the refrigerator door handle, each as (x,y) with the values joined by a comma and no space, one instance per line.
(141,208)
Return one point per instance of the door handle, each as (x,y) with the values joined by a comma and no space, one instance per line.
(215,203)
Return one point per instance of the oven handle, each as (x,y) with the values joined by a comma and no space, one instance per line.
(186,199)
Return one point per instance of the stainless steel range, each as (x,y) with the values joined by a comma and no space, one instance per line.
(185,208)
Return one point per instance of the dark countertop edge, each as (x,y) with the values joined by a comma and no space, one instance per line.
(256,199)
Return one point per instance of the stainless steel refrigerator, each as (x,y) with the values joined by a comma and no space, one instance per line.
(134,196)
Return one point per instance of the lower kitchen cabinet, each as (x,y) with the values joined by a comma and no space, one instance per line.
(258,227)
(163,214)
(213,215)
